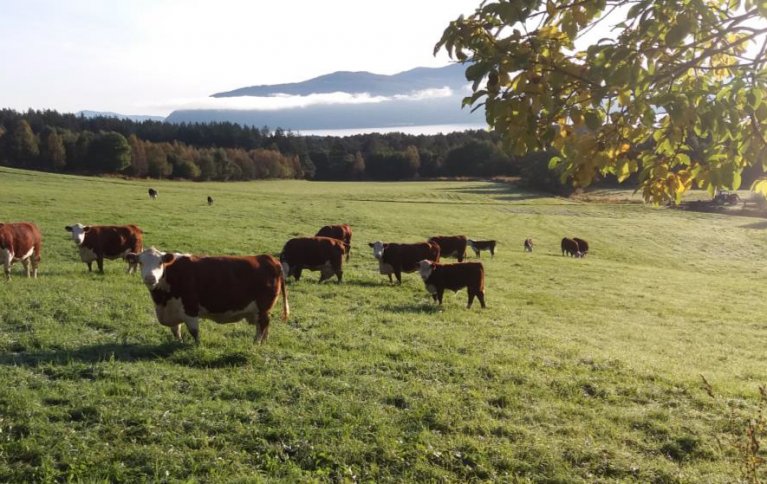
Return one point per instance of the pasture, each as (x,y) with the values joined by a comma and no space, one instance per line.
(578,370)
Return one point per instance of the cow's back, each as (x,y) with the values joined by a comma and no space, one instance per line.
(114,240)
(20,238)
(458,276)
(312,251)
(407,256)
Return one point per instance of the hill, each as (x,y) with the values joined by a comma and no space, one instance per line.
(578,370)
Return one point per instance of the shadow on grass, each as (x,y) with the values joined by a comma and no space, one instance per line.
(755,225)
(498,191)
(93,354)
(412,308)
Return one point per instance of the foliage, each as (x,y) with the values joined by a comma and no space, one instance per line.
(685,78)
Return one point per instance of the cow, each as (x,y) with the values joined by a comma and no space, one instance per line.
(342,232)
(153,194)
(323,254)
(396,258)
(480,245)
(583,246)
(226,289)
(438,277)
(528,246)
(20,241)
(99,242)
(570,247)
(451,246)
(210,200)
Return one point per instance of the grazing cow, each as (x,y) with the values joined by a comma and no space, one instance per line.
(528,245)
(210,200)
(451,246)
(583,246)
(480,245)
(342,232)
(185,288)
(398,258)
(153,194)
(322,254)
(438,277)
(99,242)
(570,247)
(20,241)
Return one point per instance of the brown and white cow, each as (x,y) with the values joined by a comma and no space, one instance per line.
(342,232)
(528,246)
(451,246)
(438,277)
(479,245)
(323,254)
(394,258)
(99,242)
(227,289)
(570,247)
(20,241)
(583,246)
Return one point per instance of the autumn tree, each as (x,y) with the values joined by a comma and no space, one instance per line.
(21,145)
(52,152)
(673,90)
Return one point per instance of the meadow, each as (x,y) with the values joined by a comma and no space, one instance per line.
(578,370)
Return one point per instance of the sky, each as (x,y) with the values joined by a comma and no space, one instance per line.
(154,56)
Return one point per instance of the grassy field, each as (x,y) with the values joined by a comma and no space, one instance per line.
(578,370)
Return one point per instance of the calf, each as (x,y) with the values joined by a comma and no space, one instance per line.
(342,232)
(570,247)
(99,242)
(20,241)
(210,200)
(322,254)
(528,245)
(451,246)
(153,194)
(480,245)
(438,277)
(185,288)
(583,246)
(396,258)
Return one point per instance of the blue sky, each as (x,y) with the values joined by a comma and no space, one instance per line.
(153,56)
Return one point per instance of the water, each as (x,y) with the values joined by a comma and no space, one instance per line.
(414,130)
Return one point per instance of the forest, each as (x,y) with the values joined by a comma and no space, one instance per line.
(67,143)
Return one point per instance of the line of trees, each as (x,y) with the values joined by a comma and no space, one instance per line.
(48,140)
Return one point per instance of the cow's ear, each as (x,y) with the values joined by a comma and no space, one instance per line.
(371,244)
(68,228)
(168,258)
(86,228)
(131,257)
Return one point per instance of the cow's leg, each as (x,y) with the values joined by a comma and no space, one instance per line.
(90,266)
(492,252)
(390,279)
(193,325)
(471,298)
(176,332)
(297,273)
(461,256)
(26,262)
(7,261)
(481,297)
(100,264)
(478,253)
(398,275)
(440,293)
(35,262)
(262,333)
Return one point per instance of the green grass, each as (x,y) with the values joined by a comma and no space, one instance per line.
(578,370)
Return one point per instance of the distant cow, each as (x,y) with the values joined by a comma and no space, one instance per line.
(323,254)
(185,288)
(583,246)
(570,247)
(396,258)
(99,242)
(479,245)
(20,241)
(438,277)
(451,246)
(153,194)
(528,245)
(210,200)
(342,232)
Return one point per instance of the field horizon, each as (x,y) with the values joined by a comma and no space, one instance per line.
(579,370)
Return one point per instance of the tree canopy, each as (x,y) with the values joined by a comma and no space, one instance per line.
(674,90)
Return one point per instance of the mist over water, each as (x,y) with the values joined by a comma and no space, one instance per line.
(429,129)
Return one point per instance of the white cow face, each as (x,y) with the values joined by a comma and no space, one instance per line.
(425,268)
(152,263)
(78,232)
(378,249)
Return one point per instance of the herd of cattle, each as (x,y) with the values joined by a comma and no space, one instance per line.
(226,289)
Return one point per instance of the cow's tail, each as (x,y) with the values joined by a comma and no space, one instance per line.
(284,290)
